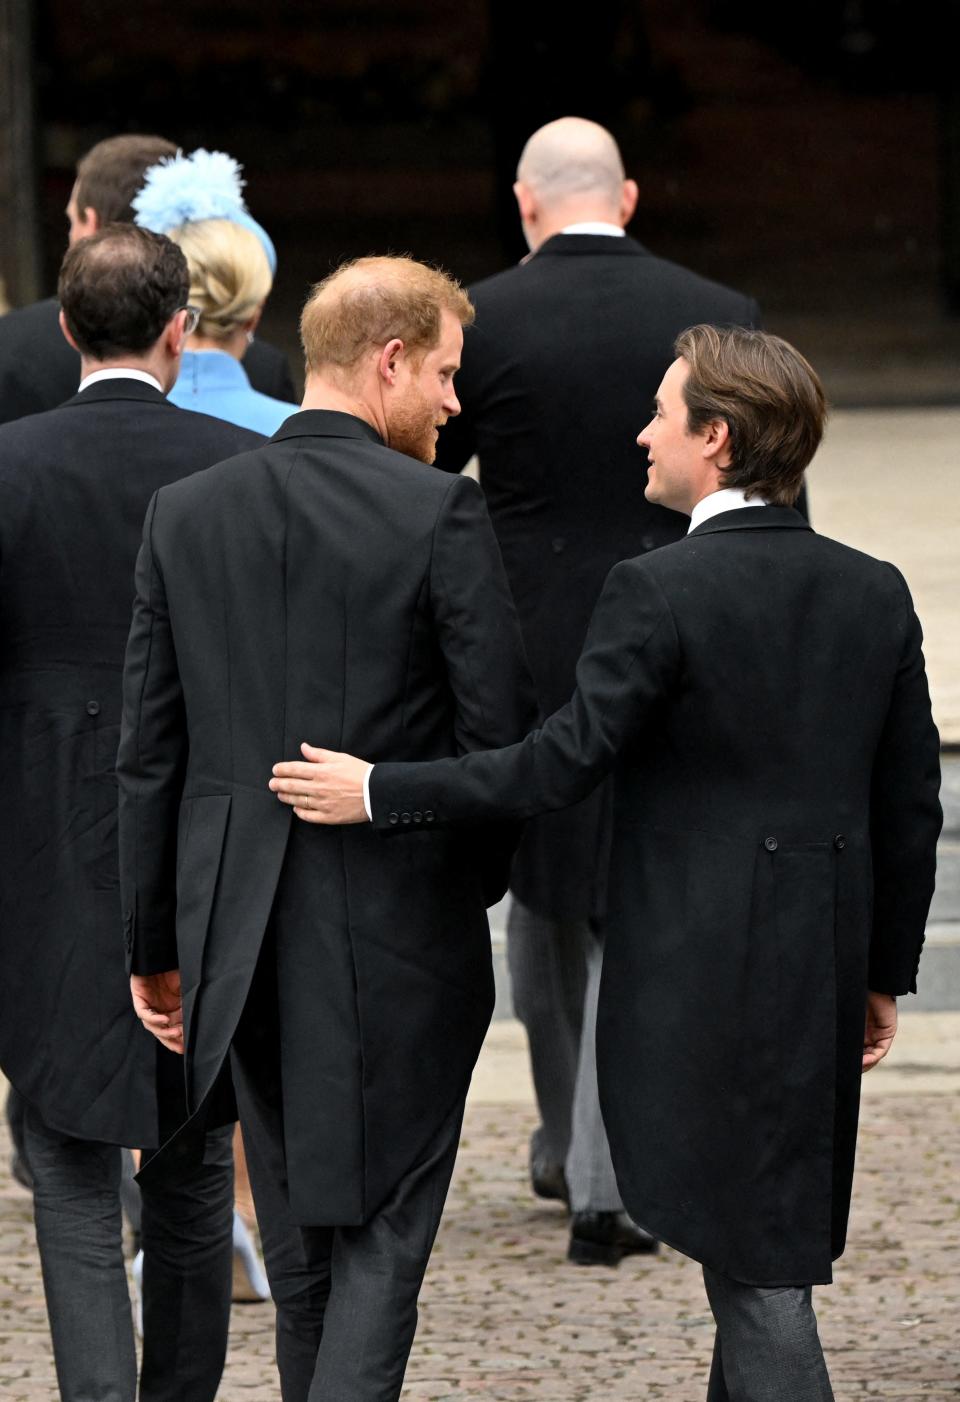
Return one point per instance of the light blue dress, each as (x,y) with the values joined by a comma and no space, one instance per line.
(212,382)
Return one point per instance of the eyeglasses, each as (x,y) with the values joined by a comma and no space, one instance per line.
(192,319)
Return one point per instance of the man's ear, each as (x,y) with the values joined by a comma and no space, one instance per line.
(716,443)
(526,203)
(628,202)
(389,360)
(66,333)
(173,337)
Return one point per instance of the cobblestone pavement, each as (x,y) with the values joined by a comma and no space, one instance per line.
(504,1318)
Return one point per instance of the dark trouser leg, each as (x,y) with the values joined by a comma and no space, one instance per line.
(79,1226)
(346,1297)
(187,1229)
(548,974)
(376,1274)
(16,1108)
(716,1387)
(768,1348)
(187,1233)
(298,1267)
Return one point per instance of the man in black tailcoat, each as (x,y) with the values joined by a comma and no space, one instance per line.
(758,692)
(328,587)
(38,368)
(563,349)
(74,486)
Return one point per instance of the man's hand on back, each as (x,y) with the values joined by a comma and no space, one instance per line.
(157,1003)
(323,787)
(880,1030)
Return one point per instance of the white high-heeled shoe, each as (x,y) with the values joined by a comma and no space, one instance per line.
(249,1278)
(136,1271)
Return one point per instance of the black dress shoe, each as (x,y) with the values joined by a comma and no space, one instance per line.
(548,1180)
(604,1238)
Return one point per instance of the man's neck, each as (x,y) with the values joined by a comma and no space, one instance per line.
(321,394)
(719,500)
(554,221)
(147,365)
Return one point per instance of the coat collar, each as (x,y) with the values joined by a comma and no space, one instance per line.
(573,245)
(105,390)
(751,518)
(325,423)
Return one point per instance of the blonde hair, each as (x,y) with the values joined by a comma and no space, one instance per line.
(370,301)
(229,273)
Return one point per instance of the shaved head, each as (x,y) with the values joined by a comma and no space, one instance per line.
(572,159)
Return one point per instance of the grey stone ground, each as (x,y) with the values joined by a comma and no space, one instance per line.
(505,1318)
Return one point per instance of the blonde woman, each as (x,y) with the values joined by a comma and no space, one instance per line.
(197,201)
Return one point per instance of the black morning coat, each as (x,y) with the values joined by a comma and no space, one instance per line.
(39,369)
(322,588)
(559,374)
(74,486)
(759,694)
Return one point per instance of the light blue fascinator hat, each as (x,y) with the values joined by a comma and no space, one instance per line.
(185,189)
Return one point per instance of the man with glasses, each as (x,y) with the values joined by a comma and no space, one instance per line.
(74,487)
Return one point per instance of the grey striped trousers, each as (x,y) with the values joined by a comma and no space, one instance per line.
(555,976)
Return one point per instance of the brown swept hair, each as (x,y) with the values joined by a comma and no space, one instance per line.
(111,174)
(769,397)
(370,301)
(119,288)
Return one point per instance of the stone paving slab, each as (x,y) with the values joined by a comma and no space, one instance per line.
(506,1319)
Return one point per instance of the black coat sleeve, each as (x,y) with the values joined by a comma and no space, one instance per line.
(479,636)
(629,664)
(905,819)
(150,772)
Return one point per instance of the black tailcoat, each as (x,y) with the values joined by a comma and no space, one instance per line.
(39,369)
(328,589)
(558,377)
(74,486)
(759,693)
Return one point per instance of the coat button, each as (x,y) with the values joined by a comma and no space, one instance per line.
(394,818)
(839,842)
(93,708)
(770,843)
(558,545)
(648,542)
(418,817)
(428,816)
(404,817)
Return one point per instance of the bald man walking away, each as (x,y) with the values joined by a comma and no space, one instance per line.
(563,361)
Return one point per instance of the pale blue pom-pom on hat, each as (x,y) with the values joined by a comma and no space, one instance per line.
(185,189)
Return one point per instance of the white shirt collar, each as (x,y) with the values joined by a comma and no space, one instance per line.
(726,499)
(595,226)
(96,376)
